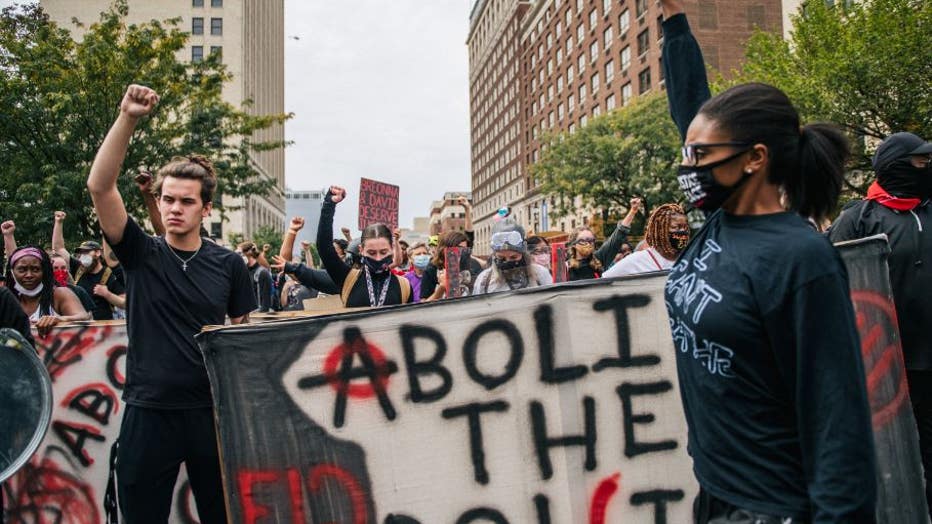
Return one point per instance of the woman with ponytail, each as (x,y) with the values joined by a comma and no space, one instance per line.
(29,275)
(666,236)
(768,355)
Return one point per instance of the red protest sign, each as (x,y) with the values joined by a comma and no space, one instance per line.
(378,203)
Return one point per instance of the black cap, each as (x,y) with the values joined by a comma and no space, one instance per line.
(897,146)
(88,245)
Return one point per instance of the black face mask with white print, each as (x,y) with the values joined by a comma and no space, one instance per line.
(702,190)
(378,267)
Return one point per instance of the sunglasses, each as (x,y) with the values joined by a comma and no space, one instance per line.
(692,153)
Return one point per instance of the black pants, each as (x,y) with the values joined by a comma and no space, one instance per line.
(920,393)
(710,510)
(153,444)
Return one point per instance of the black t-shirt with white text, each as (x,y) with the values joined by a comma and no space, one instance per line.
(770,370)
(166,307)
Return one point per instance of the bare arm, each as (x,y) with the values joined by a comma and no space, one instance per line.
(264,262)
(144,182)
(68,306)
(397,255)
(287,249)
(102,182)
(110,257)
(9,242)
(672,7)
(111,297)
(463,201)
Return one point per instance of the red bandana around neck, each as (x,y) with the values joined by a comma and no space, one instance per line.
(880,195)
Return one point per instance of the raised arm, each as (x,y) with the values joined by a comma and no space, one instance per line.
(102,182)
(9,242)
(144,183)
(262,259)
(463,201)
(610,248)
(310,278)
(287,249)
(58,237)
(334,265)
(397,254)
(683,66)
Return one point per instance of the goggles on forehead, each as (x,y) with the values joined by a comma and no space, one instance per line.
(508,240)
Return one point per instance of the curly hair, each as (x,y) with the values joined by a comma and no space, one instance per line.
(657,232)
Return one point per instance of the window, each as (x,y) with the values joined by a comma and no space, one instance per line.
(660,27)
(549,40)
(217,50)
(550,66)
(579,4)
(569,75)
(643,42)
(593,18)
(551,119)
(571,103)
(641,7)
(560,84)
(609,71)
(197,53)
(216,26)
(580,33)
(596,111)
(569,45)
(560,111)
(582,63)
(583,121)
(550,92)
(610,102)
(216,3)
(582,93)
(594,51)
(626,58)
(595,83)
(606,6)
(197,26)
(569,19)
(559,31)
(624,22)
(197,3)
(644,81)
(608,36)
(559,56)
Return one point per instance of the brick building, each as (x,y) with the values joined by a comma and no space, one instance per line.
(448,214)
(576,59)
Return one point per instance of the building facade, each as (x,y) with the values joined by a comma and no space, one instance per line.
(250,36)
(305,204)
(576,59)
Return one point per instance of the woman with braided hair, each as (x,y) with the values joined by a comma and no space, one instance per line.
(666,236)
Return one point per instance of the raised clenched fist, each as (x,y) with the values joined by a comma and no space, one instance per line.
(60,216)
(337,194)
(144,180)
(297,223)
(636,204)
(8,227)
(138,101)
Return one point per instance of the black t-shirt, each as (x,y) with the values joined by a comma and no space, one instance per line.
(166,307)
(12,315)
(103,310)
(770,369)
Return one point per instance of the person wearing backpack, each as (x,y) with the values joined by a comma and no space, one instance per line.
(373,284)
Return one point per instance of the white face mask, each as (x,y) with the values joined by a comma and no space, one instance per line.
(29,293)
(86,260)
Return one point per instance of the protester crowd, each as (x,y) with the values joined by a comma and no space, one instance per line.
(790,439)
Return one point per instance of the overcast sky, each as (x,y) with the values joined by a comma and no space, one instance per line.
(379,90)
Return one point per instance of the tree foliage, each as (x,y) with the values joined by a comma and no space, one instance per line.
(630,152)
(864,65)
(58,98)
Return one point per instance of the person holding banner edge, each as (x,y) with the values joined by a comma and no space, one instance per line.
(372,285)
(176,284)
(768,353)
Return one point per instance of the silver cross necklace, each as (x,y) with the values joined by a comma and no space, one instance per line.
(184,263)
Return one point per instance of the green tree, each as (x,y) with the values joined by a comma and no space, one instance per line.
(268,235)
(58,98)
(863,65)
(627,153)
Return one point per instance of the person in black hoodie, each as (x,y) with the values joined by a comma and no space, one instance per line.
(373,284)
(899,205)
(768,353)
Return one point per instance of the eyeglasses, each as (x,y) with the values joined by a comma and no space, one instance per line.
(585,241)
(692,153)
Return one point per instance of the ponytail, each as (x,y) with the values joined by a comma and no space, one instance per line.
(814,188)
(807,162)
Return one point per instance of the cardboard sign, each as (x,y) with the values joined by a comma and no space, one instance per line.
(459,279)
(554,404)
(558,262)
(66,479)
(378,204)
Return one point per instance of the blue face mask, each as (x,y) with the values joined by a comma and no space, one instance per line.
(421,261)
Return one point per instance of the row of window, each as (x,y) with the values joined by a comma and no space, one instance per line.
(197,26)
(200,3)
(197,52)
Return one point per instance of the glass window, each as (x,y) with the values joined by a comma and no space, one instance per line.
(569,74)
(626,58)
(560,111)
(593,17)
(582,63)
(579,4)
(643,42)
(197,53)
(641,7)
(549,40)
(582,93)
(626,94)
(559,56)
(624,22)
(594,51)
(571,102)
(606,6)
(583,121)
(609,70)
(610,102)
(644,81)
(217,50)
(216,3)
(216,26)
(197,26)
(580,33)
(608,37)
(560,84)
(596,111)
(197,3)
(569,45)
(595,83)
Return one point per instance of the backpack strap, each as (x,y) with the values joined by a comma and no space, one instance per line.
(405,289)
(106,276)
(348,284)
(79,274)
